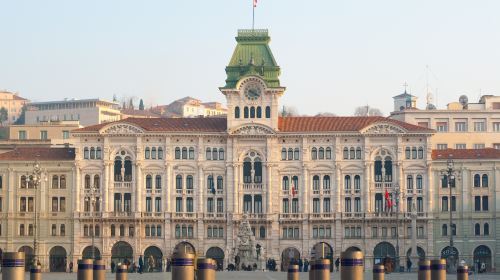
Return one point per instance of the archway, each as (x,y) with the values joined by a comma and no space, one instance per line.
(420,253)
(323,250)
(28,256)
(217,254)
(353,249)
(57,259)
(384,253)
(122,252)
(153,259)
(452,256)
(289,256)
(185,247)
(482,255)
(87,253)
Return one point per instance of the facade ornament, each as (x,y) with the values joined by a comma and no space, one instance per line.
(122,128)
(383,128)
(253,130)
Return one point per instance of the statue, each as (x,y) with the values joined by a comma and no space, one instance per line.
(245,251)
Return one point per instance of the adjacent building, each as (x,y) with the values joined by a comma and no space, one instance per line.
(190,107)
(13,103)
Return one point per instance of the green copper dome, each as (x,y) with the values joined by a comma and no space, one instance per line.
(252,56)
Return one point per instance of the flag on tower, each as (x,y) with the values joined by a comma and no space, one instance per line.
(254,3)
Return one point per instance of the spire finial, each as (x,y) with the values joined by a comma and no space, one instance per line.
(406,86)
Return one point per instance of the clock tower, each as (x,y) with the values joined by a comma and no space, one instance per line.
(252,87)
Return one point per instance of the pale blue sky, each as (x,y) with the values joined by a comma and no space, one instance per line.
(334,54)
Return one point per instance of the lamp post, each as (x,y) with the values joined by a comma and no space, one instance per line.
(451,174)
(35,179)
(91,196)
(396,194)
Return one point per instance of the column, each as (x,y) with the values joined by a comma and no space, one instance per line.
(78,186)
(198,207)
(236,188)
(305,192)
(105,187)
(138,188)
(366,190)
(168,185)
(339,187)
(268,189)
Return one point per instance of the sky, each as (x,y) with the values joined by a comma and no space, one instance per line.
(334,55)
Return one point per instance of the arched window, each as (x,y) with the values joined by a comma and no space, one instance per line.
(245,112)
(184,153)
(268,112)
(486,229)
(215,154)
(153,153)
(86,153)
(357,182)
(97,181)
(259,112)
(295,182)
(347,182)
(236,112)
(160,153)
(178,182)
(352,153)
(87,181)
(92,153)
(177,153)
(290,154)
(208,154)
(158,181)
(296,155)
(191,153)
(420,153)
(346,153)
(220,183)
(146,153)
(314,153)
(98,153)
(210,182)
(55,182)
(444,230)
(409,182)
(247,171)
(358,153)
(23,182)
(283,154)
(315,182)
(477,229)
(326,182)
(484,181)
(477,180)
(321,154)
(414,153)
(221,154)
(149,182)
(285,183)
(62,182)
(252,112)
(407,152)
(189,182)
(419,182)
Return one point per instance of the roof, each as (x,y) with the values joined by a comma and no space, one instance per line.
(487,153)
(404,94)
(144,113)
(285,124)
(38,153)
(72,101)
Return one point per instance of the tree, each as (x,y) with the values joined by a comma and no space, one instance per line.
(115,99)
(131,103)
(22,116)
(367,111)
(4,115)
(325,114)
(141,105)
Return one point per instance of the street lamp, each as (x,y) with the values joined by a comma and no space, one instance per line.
(450,174)
(91,197)
(35,179)
(396,193)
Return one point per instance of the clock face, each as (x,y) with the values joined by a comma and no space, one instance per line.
(252,92)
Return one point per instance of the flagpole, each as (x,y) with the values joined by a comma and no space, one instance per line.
(253,15)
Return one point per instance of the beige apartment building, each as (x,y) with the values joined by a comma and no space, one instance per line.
(191,107)
(57,132)
(461,125)
(86,111)
(13,103)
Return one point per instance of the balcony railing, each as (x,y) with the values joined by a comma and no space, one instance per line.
(123,185)
(252,186)
(387,185)
(320,216)
(187,215)
(291,216)
(215,215)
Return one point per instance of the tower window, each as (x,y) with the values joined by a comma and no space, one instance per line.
(237,112)
(252,112)
(245,112)
(268,112)
(259,112)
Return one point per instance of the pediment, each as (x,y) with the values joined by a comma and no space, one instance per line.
(383,128)
(253,129)
(121,129)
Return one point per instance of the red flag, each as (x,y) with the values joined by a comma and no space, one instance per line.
(254,3)
(294,186)
(387,200)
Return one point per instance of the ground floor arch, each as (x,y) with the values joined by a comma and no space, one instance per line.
(87,253)
(57,259)
(353,249)
(384,253)
(122,252)
(217,254)
(420,253)
(323,250)
(28,256)
(153,259)
(289,256)
(482,258)
(452,256)
(186,247)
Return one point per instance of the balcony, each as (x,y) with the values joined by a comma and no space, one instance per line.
(321,216)
(347,215)
(152,214)
(121,214)
(123,185)
(216,216)
(184,215)
(386,185)
(252,186)
(217,192)
(292,216)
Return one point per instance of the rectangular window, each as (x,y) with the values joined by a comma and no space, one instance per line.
(423,124)
(496,146)
(22,135)
(479,146)
(420,204)
(178,204)
(220,205)
(393,232)
(442,146)
(65,134)
(420,232)
(295,205)
(496,126)
(374,232)
(453,203)
(326,205)
(477,203)
(55,203)
(460,146)
(43,135)
(444,203)
(384,232)
(286,206)
(158,204)
(485,203)
(210,205)
(347,204)
(316,208)
(442,126)
(479,126)
(148,205)
(189,204)
(62,204)
(460,126)
(357,204)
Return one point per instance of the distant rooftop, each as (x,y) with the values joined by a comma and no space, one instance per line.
(66,101)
